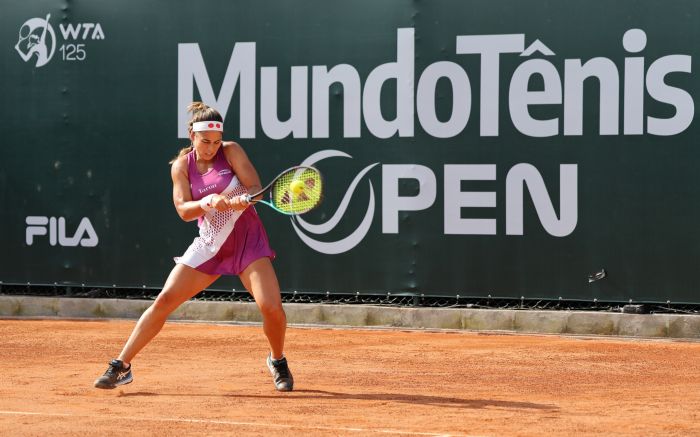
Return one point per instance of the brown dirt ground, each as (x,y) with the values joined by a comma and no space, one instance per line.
(207,379)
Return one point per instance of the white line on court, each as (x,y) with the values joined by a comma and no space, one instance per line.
(231,422)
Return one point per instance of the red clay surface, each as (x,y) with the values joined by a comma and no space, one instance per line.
(212,380)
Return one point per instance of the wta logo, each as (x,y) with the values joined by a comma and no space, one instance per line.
(355,237)
(36,37)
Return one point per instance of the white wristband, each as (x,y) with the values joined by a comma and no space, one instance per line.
(205,203)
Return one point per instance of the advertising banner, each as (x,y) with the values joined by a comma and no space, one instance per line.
(475,148)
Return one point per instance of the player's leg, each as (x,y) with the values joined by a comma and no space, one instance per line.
(183,283)
(261,281)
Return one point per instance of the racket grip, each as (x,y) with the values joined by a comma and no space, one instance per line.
(245,198)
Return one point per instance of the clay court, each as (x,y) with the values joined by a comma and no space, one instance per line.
(211,380)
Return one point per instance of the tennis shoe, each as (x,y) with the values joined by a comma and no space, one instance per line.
(281,375)
(115,376)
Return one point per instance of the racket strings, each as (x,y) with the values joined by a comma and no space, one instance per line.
(302,198)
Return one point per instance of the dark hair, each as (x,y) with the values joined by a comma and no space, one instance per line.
(200,112)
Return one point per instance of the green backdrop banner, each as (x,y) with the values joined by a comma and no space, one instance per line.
(505,148)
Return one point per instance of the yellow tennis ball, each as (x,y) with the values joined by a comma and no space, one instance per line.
(296,187)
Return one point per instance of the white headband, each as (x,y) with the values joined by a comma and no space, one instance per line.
(200,126)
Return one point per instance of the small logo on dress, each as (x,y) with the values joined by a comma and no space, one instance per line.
(207,188)
(224,171)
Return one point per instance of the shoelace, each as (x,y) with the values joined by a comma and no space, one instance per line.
(112,371)
(282,369)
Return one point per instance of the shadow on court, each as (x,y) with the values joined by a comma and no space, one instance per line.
(395,397)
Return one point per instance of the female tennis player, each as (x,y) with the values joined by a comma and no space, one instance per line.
(210,178)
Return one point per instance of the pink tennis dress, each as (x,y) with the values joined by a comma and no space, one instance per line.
(230,240)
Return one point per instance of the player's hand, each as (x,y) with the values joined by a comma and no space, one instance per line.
(238,203)
(220,203)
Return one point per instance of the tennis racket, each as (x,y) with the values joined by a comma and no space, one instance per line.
(295,191)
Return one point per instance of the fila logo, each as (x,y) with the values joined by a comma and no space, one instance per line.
(84,236)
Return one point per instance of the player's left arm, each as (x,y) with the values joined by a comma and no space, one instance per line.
(244,169)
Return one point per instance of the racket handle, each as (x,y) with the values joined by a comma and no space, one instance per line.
(246,198)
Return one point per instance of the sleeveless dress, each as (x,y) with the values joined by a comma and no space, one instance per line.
(228,240)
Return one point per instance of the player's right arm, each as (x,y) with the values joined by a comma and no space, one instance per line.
(187,208)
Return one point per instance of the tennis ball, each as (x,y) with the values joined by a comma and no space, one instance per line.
(296,187)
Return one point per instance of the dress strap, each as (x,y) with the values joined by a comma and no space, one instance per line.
(191,164)
(221,160)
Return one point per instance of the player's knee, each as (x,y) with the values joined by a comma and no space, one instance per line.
(163,304)
(272,311)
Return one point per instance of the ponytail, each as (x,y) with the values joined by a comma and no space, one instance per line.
(184,151)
